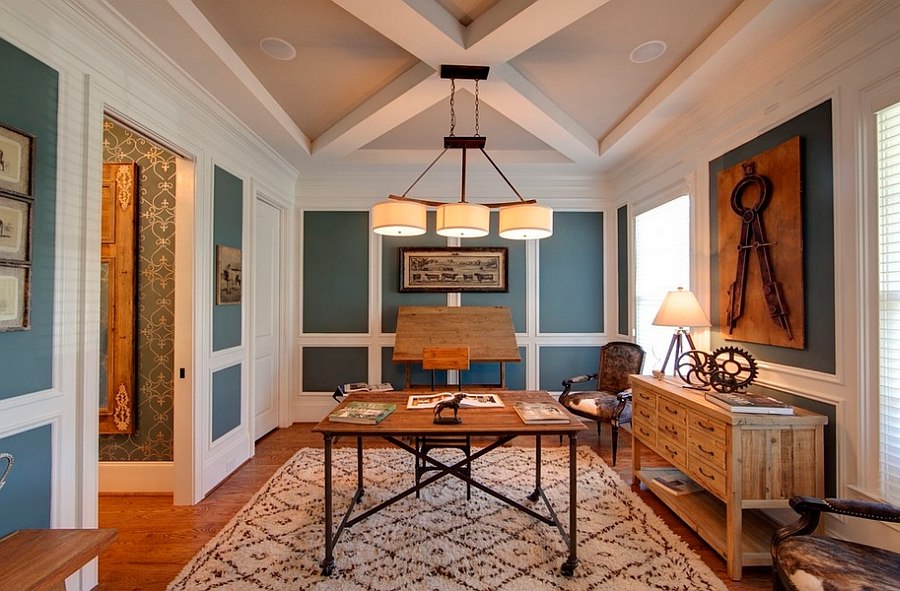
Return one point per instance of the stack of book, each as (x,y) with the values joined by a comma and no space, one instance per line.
(362,413)
(675,482)
(539,413)
(749,403)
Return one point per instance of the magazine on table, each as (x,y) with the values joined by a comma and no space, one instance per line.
(675,482)
(362,413)
(468,400)
(538,413)
(749,403)
(352,387)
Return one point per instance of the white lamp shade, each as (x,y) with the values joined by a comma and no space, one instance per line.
(526,222)
(463,220)
(680,308)
(399,218)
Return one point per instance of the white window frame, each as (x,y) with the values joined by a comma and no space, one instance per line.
(656,352)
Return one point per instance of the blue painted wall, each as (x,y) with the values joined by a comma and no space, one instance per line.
(25,498)
(226,400)
(336,272)
(622,269)
(30,105)
(559,363)
(228,197)
(571,278)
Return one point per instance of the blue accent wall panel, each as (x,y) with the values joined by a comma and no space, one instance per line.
(622,268)
(560,363)
(335,272)
(817,180)
(324,368)
(514,299)
(228,226)
(25,498)
(391,298)
(30,105)
(226,400)
(571,274)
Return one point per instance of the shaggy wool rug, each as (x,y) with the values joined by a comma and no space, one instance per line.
(440,541)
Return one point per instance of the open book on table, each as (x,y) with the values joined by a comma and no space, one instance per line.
(468,400)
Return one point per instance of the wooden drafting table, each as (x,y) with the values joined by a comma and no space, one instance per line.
(486,330)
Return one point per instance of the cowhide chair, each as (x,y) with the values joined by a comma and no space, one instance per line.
(805,562)
(610,402)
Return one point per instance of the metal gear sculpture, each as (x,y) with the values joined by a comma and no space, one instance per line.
(727,369)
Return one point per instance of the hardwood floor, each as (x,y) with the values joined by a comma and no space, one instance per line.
(156,539)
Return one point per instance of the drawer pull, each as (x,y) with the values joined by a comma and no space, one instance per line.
(644,414)
(703,425)
(672,452)
(706,451)
(710,476)
(670,411)
(670,430)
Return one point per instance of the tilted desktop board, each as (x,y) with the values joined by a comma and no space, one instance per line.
(486,330)
(744,462)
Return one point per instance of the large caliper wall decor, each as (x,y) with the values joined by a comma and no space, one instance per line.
(760,249)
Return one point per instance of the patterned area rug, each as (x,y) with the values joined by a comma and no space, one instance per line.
(440,541)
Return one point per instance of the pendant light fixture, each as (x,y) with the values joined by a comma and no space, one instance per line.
(402,215)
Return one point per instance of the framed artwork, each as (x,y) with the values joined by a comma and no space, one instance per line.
(15,289)
(449,269)
(16,161)
(15,229)
(228,275)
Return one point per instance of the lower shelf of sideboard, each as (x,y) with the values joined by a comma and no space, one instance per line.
(706,515)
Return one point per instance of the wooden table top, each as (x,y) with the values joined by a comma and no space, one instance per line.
(475,421)
(39,559)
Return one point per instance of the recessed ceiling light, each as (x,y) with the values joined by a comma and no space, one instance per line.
(647,52)
(278,49)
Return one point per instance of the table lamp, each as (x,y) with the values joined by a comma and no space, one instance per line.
(680,309)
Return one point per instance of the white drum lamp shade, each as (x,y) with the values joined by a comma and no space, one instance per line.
(463,220)
(526,222)
(399,218)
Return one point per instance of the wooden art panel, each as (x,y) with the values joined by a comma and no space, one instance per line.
(781,218)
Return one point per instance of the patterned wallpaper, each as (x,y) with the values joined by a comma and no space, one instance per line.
(153,437)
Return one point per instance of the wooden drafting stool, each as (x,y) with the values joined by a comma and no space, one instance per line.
(435,358)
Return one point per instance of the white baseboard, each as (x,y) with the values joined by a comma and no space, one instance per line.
(137,477)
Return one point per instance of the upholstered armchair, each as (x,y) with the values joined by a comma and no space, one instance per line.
(610,402)
(804,562)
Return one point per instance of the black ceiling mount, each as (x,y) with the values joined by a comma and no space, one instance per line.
(455,142)
(464,72)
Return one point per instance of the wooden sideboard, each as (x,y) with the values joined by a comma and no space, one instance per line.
(744,462)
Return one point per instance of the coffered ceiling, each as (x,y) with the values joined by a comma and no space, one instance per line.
(364,86)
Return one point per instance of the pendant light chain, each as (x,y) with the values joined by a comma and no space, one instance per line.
(476,109)
(452,106)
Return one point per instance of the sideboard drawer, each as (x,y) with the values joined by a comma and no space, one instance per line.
(672,431)
(644,431)
(708,476)
(672,452)
(673,411)
(644,414)
(707,439)
(643,398)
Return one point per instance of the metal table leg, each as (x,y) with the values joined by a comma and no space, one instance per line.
(328,561)
(568,567)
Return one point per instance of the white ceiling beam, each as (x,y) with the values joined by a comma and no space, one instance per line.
(511,27)
(523,103)
(406,96)
(204,29)
(421,27)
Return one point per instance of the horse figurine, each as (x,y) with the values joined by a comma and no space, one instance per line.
(453,403)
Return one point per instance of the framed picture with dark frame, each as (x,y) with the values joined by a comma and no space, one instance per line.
(228,275)
(16,160)
(15,292)
(15,229)
(454,269)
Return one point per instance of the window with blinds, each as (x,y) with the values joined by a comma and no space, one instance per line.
(888,137)
(662,261)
